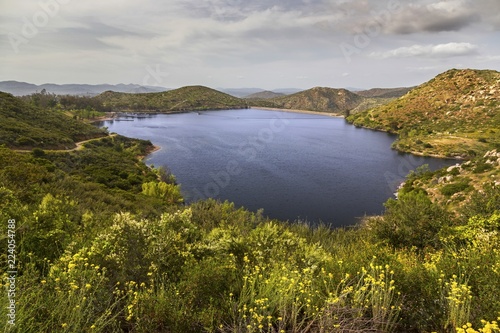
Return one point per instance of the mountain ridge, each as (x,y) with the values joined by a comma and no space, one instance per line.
(18,88)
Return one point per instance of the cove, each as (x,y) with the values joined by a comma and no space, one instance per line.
(295,166)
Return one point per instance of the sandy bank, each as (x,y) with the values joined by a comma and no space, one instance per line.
(331,114)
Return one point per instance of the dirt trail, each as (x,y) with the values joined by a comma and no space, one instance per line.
(79,146)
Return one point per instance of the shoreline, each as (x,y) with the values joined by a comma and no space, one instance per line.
(330,114)
(154,149)
(416,153)
(109,117)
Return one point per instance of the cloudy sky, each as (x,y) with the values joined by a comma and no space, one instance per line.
(235,43)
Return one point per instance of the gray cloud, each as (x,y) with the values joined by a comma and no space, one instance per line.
(221,39)
(434,51)
(443,16)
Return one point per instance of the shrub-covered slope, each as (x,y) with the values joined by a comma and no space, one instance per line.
(191,98)
(24,126)
(456,114)
(319,99)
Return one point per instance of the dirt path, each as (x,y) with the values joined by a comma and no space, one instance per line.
(79,146)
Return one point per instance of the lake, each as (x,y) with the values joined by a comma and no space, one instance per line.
(295,166)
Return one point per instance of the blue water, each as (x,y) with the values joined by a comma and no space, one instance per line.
(295,166)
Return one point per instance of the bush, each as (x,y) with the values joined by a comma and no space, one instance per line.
(411,221)
(450,189)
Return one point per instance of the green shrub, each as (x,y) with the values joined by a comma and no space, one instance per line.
(450,189)
(411,221)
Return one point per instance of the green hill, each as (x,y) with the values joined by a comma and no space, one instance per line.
(319,99)
(384,92)
(191,98)
(323,99)
(264,95)
(24,126)
(456,114)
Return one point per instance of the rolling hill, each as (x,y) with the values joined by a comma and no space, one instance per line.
(329,100)
(456,114)
(266,94)
(191,98)
(322,99)
(384,92)
(24,126)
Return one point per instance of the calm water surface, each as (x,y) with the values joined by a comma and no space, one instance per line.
(294,166)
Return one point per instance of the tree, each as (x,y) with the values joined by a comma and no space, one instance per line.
(411,221)
(169,192)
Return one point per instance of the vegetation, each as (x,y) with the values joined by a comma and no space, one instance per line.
(192,98)
(263,95)
(320,99)
(385,92)
(455,114)
(104,244)
(26,126)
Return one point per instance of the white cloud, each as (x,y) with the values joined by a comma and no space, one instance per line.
(432,51)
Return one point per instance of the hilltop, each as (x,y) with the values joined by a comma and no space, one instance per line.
(26,126)
(456,114)
(191,98)
(384,92)
(266,94)
(320,99)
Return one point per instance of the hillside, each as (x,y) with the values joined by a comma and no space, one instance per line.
(456,114)
(384,92)
(191,98)
(266,94)
(322,99)
(24,126)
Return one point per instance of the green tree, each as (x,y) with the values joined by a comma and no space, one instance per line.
(169,192)
(411,221)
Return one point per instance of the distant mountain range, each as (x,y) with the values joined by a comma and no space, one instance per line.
(17,88)
(22,88)
(384,92)
(246,92)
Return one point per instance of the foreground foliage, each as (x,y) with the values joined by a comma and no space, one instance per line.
(25,126)
(212,267)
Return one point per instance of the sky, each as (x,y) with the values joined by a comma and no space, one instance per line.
(265,44)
